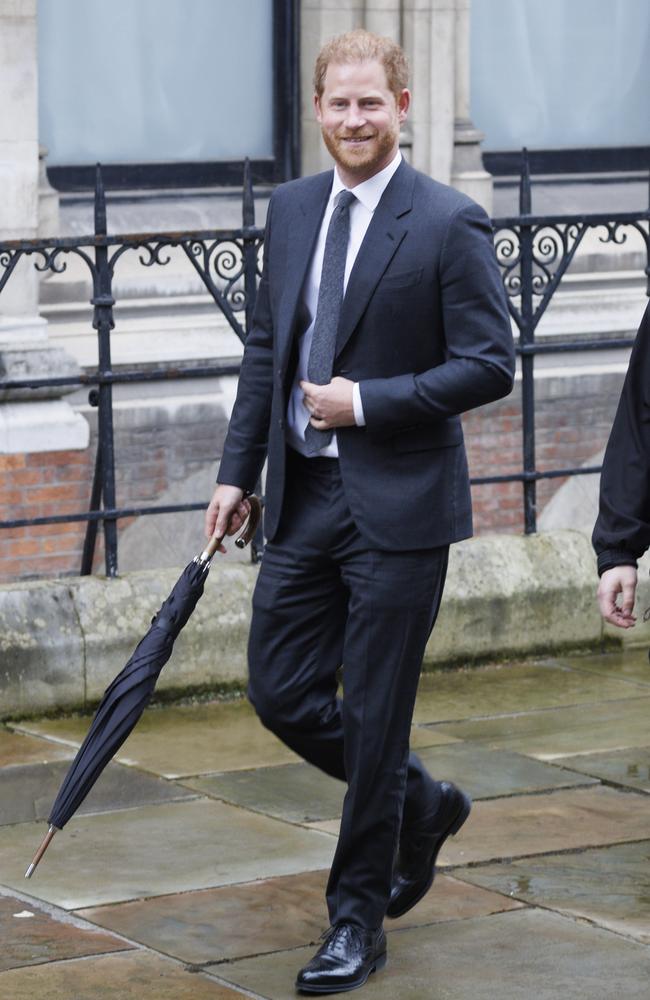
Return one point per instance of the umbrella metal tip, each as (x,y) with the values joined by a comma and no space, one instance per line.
(30,870)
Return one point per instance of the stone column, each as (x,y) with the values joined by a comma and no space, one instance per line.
(429,27)
(467,173)
(29,420)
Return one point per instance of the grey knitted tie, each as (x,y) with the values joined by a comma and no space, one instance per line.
(330,297)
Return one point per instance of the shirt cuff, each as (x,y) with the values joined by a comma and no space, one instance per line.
(357,406)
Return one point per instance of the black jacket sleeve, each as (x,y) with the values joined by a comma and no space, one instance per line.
(622,531)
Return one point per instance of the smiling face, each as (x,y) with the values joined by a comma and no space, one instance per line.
(360,118)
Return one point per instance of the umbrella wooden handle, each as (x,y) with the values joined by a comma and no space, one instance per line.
(246,535)
(41,851)
(254,519)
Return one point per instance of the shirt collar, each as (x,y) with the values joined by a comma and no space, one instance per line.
(368,192)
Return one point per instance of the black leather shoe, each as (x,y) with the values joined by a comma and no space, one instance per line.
(418,850)
(344,961)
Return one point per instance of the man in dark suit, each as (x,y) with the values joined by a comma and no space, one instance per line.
(380,318)
(622,531)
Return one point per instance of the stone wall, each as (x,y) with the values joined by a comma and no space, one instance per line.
(62,642)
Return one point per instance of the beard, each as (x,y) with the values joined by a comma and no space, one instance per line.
(365,158)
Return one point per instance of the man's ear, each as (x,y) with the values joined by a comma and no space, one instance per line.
(404,104)
(317,110)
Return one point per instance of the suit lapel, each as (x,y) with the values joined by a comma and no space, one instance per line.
(303,228)
(387,229)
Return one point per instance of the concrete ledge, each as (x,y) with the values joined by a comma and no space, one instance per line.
(62,641)
(512,595)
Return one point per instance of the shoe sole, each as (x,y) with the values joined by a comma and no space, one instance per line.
(379,964)
(452,829)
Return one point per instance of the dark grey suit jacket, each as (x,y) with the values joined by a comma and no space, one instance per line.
(424,329)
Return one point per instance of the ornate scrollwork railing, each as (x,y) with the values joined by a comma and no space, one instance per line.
(548,246)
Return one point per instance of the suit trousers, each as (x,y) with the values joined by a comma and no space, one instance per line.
(325,600)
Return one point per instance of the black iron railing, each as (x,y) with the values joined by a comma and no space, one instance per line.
(533,251)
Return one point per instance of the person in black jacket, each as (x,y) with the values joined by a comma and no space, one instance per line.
(622,531)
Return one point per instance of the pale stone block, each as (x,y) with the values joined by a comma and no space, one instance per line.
(477,184)
(41,648)
(19,301)
(394,6)
(541,596)
(18,8)
(384,21)
(336,20)
(462,79)
(19,186)
(428,5)
(19,92)
(48,201)
(416,44)
(22,331)
(48,425)
(442,55)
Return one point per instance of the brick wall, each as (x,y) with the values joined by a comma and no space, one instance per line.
(37,485)
(160,446)
(573,418)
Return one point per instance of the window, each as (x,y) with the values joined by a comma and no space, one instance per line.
(166,91)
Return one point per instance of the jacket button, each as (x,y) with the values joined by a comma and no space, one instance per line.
(281,423)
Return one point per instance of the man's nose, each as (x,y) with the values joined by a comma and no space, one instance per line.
(355,117)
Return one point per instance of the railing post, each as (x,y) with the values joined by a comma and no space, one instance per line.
(103,322)
(527,340)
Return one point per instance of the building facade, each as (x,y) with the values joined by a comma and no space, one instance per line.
(171,96)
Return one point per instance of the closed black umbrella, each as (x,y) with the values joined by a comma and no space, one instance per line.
(128,694)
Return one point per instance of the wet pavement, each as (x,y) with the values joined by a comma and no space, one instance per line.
(197,865)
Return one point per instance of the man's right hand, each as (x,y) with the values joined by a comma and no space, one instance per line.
(619,580)
(227,512)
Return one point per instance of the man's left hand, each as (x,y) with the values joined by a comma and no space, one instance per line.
(329,405)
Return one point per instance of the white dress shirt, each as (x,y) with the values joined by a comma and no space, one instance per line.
(367,195)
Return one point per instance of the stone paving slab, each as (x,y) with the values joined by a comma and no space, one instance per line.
(174,847)
(298,793)
(537,824)
(136,975)
(485,773)
(187,740)
(631,665)
(421,736)
(30,936)
(610,886)
(509,956)
(548,735)
(622,767)
(28,791)
(514,687)
(18,749)
(272,915)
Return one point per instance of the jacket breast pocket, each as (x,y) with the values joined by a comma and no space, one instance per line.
(400,279)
